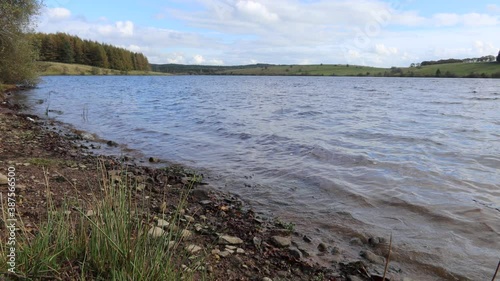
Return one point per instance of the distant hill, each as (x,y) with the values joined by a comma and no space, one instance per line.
(199,69)
(454,69)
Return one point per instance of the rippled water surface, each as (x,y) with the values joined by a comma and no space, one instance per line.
(340,156)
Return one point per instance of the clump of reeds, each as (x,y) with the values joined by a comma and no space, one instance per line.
(111,244)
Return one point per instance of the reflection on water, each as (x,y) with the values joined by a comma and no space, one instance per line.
(418,157)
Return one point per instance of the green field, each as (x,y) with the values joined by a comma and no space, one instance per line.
(485,69)
(475,70)
(57,68)
(490,69)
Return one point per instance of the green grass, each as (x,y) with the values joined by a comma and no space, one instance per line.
(485,69)
(320,70)
(57,68)
(457,69)
(112,244)
(480,69)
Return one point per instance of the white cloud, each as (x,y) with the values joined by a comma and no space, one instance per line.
(444,19)
(256,11)
(381,49)
(470,19)
(198,59)
(134,48)
(292,31)
(58,14)
(484,48)
(125,28)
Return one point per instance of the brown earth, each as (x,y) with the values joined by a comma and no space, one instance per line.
(43,157)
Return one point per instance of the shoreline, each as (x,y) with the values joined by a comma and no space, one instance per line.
(31,148)
(278,261)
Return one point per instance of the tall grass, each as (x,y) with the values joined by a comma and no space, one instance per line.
(111,244)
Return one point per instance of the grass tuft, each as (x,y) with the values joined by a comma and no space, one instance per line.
(111,244)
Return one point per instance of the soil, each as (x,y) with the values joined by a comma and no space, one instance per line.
(45,157)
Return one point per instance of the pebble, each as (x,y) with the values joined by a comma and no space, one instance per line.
(224,254)
(322,247)
(294,252)
(189,218)
(171,244)
(205,202)
(370,256)
(156,231)
(240,251)
(231,240)
(198,227)
(281,241)
(186,234)
(200,194)
(162,223)
(3,180)
(374,241)
(140,187)
(89,213)
(112,143)
(154,160)
(354,278)
(356,241)
(267,279)
(307,239)
(193,249)
(257,242)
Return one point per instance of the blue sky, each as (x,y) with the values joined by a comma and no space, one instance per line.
(230,32)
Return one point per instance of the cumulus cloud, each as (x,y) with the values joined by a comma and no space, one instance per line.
(198,59)
(125,28)
(58,14)
(292,31)
(381,49)
(470,19)
(256,11)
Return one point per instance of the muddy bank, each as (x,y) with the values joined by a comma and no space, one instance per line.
(239,244)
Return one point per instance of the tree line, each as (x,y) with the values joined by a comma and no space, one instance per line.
(467,60)
(65,48)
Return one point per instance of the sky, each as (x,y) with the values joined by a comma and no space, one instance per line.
(234,32)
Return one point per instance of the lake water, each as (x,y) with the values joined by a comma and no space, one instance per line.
(340,157)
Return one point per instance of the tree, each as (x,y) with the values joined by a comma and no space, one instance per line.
(498,57)
(438,72)
(17,53)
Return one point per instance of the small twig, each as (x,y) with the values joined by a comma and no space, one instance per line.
(388,257)
(496,271)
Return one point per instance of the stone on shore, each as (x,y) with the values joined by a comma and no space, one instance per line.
(186,234)
(3,180)
(370,256)
(193,249)
(322,247)
(162,223)
(156,231)
(154,160)
(231,240)
(281,241)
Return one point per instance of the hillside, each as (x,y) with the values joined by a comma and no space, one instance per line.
(57,68)
(477,69)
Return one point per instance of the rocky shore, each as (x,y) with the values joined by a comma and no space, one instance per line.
(235,243)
